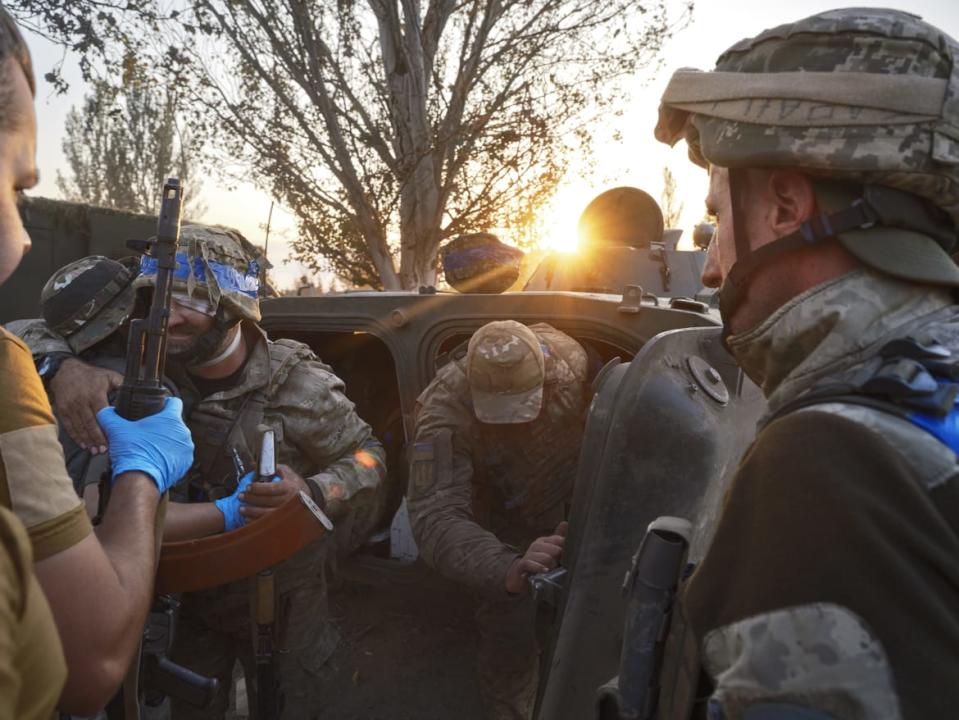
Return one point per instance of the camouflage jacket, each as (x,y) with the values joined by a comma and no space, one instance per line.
(832,581)
(318,432)
(480,493)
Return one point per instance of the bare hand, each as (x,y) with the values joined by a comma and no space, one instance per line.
(79,391)
(261,498)
(542,556)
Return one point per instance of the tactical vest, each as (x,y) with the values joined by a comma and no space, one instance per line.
(225,432)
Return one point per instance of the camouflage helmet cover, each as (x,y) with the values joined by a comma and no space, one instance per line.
(859,94)
(87,300)
(218,264)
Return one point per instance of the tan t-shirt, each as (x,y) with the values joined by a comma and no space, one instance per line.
(33,478)
(32,666)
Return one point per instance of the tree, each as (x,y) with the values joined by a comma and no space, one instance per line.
(121,145)
(391,125)
(672,206)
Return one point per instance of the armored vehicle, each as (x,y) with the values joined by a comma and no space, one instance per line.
(669,418)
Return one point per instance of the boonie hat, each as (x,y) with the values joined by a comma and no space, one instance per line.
(506,370)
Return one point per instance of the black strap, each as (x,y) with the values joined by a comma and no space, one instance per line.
(858,216)
(900,380)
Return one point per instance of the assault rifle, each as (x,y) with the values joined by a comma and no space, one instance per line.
(650,586)
(142,392)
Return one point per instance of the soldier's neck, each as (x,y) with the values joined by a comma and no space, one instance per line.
(231,362)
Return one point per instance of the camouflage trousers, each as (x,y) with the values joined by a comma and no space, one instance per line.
(508,658)
(214,632)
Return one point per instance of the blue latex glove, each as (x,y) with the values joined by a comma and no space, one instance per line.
(159,445)
(230,506)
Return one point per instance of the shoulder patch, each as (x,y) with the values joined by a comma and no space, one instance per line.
(819,656)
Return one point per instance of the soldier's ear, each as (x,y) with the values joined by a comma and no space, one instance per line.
(790,201)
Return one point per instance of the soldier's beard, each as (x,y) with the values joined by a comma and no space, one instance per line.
(203,347)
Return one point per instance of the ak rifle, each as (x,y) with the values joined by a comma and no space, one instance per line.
(142,392)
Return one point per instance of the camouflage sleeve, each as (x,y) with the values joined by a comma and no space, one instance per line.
(346,462)
(38,337)
(440,496)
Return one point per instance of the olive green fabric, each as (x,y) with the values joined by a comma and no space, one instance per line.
(32,667)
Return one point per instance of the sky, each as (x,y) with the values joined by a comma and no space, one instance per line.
(638,159)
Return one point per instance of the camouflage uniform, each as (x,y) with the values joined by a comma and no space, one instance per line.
(318,434)
(831,588)
(480,493)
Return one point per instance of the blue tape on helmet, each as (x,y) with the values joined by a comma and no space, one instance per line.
(228,278)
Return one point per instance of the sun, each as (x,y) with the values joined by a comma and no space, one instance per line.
(559,218)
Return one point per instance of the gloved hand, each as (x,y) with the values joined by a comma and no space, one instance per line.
(230,506)
(159,445)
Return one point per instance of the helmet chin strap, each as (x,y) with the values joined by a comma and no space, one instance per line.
(858,216)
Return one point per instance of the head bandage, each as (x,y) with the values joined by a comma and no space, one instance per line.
(195,302)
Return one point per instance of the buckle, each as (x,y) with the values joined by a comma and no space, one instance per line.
(872,217)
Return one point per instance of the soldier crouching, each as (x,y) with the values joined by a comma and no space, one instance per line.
(496,448)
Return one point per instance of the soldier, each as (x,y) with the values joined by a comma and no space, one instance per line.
(494,459)
(98,586)
(831,587)
(235,380)
(84,303)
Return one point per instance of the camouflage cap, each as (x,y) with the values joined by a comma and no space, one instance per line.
(861,95)
(506,370)
(218,264)
(87,300)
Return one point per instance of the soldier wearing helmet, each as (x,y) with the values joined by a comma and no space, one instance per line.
(496,447)
(831,587)
(234,381)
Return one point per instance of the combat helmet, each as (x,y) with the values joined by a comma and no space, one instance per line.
(621,216)
(867,99)
(216,265)
(87,300)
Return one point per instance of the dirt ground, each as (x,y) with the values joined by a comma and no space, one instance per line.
(408,653)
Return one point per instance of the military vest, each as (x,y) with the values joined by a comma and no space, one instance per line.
(226,432)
